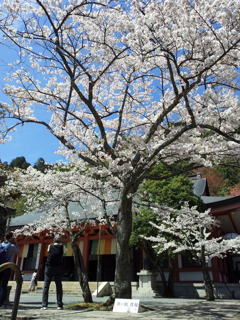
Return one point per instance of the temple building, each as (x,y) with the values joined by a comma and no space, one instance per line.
(98,246)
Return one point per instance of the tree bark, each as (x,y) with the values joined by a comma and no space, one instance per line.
(168,285)
(82,274)
(122,284)
(3,225)
(208,283)
(170,282)
(5,214)
(206,278)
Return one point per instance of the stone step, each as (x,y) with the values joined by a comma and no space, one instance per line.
(68,286)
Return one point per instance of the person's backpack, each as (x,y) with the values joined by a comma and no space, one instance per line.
(3,252)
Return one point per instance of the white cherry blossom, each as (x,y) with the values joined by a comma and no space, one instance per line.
(139,81)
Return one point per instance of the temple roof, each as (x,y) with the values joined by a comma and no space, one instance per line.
(76,212)
(211,200)
(200,188)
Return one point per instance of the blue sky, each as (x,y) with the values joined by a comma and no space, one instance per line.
(31,141)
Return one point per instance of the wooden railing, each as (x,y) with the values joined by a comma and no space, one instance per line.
(19,280)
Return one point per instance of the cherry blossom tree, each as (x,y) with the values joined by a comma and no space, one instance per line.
(123,85)
(169,190)
(191,231)
(66,205)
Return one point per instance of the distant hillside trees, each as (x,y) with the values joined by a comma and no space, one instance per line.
(15,203)
(223,179)
(41,165)
(19,162)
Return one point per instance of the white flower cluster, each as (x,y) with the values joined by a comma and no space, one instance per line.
(64,196)
(123,85)
(187,229)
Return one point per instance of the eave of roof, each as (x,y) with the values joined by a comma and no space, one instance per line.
(219,200)
(76,212)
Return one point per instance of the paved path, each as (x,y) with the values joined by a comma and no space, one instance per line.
(158,309)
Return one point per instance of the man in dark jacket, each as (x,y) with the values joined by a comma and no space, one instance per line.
(12,249)
(53,268)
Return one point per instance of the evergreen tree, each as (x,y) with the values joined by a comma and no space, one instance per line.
(19,162)
(40,165)
(171,191)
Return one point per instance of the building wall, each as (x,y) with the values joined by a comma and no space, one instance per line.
(96,250)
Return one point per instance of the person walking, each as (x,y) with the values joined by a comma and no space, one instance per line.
(53,269)
(11,249)
(33,283)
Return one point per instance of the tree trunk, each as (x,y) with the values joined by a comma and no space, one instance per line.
(164,281)
(206,277)
(208,283)
(122,284)
(3,225)
(82,274)
(170,282)
(168,286)
(5,214)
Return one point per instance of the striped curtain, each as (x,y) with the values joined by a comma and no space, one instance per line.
(30,255)
(29,250)
(68,249)
(104,246)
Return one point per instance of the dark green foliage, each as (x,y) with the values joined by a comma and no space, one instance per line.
(20,206)
(230,171)
(164,170)
(141,226)
(41,165)
(172,191)
(168,186)
(19,162)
